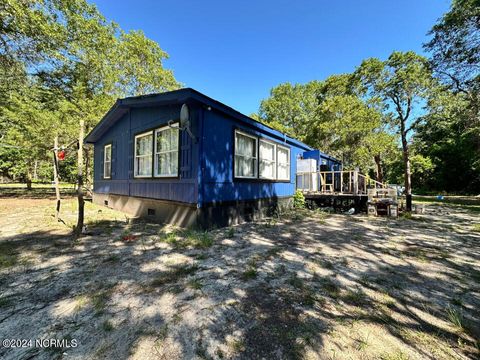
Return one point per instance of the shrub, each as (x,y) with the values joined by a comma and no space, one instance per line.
(298,200)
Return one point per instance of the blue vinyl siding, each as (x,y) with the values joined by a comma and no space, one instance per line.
(121,135)
(218,183)
(206,163)
(332,164)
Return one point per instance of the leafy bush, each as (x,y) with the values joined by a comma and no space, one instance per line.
(298,200)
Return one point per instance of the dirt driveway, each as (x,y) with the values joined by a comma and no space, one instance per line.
(308,285)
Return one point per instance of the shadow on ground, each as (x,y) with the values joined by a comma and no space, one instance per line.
(304,286)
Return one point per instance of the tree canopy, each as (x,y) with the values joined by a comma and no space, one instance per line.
(62,61)
(405,118)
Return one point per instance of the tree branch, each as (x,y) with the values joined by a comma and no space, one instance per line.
(456,82)
(409,107)
(398,106)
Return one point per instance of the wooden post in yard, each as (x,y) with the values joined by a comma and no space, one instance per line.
(81,201)
(55,176)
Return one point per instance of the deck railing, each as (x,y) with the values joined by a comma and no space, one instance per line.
(336,182)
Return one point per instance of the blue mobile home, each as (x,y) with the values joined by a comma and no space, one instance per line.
(324,161)
(222,168)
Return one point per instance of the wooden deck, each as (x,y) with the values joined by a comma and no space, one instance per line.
(336,183)
(337,189)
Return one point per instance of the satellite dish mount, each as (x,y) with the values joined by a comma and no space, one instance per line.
(185,120)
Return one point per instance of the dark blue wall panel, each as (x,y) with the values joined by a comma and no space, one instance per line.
(218,183)
(206,162)
(121,135)
(332,164)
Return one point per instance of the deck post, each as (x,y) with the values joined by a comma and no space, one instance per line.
(355,181)
(349,181)
(341,182)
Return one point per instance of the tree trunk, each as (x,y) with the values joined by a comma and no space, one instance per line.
(81,201)
(55,176)
(29,179)
(407,171)
(35,172)
(379,170)
(88,180)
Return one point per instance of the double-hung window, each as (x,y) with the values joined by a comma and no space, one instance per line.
(107,161)
(283,163)
(143,155)
(273,158)
(245,155)
(268,162)
(166,151)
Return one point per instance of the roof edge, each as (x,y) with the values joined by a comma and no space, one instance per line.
(175,96)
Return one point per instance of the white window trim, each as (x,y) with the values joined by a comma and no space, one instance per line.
(107,146)
(155,153)
(255,175)
(135,156)
(274,161)
(288,163)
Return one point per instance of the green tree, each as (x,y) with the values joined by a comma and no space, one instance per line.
(333,116)
(455,46)
(404,82)
(291,108)
(451,133)
(446,138)
(62,61)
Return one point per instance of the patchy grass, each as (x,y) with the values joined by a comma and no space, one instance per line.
(107,326)
(307,301)
(249,273)
(8,256)
(181,239)
(230,233)
(198,239)
(330,287)
(170,238)
(81,302)
(469,203)
(457,319)
(174,275)
(417,253)
(195,284)
(395,355)
(362,343)
(97,300)
(5,302)
(295,281)
(113,258)
(476,227)
(355,297)
(407,215)
(100,299)
(237,346)
(327,264)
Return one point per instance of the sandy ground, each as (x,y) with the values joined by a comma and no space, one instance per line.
(308,285)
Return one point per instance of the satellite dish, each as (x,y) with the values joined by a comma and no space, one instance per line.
(184,117)
(185,120)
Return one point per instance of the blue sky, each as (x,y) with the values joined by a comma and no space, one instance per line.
(236,51)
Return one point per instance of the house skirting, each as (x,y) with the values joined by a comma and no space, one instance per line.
(210,215)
